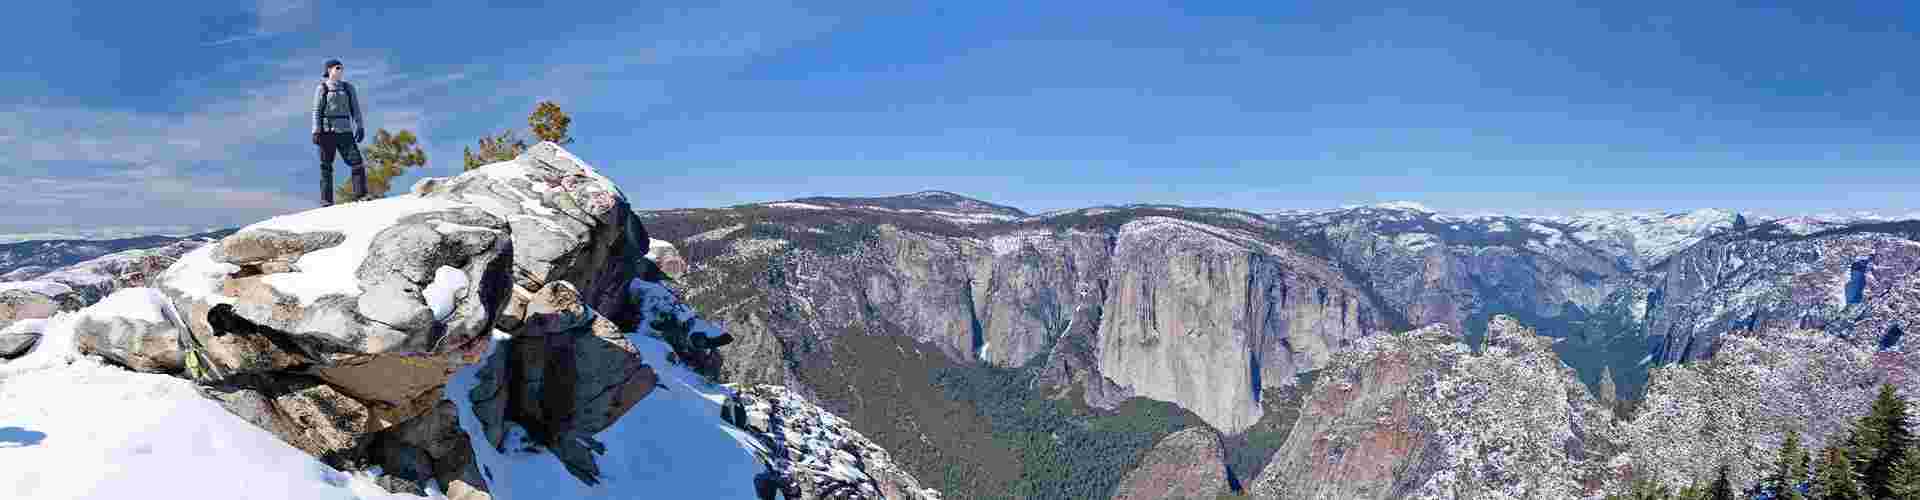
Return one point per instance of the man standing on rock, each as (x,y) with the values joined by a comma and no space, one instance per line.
(338,126)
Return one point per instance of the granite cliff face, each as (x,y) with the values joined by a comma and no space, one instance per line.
(1856,282)
(1198,308)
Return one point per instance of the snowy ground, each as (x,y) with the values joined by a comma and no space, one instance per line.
(72,427)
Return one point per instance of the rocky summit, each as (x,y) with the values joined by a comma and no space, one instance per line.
(493,334)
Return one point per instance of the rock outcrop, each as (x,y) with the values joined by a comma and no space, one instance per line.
(1417,415)
(134,328)
(817,455)
(1737,408)
(1186,464)
(337,328)
(35,300)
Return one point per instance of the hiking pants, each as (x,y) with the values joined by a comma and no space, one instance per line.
(342,143)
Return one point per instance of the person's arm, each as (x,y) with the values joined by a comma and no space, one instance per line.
(359,120)
(319,100)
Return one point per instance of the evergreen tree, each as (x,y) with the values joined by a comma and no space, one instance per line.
(387,159)
(1834,480)
(1791,468)
(1691,492)
(1722,488)
(1880,439)
(1644,489)
(1906,477)
(549,123)
(1806,465)
(495,148)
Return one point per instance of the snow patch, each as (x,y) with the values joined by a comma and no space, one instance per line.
(197,276)
(441,292)
(143,304)
(797,206)
(654,246)
(330,271)
(1415,242)
(46,288)
(715,233)
(29,325)
(1404,205)
(89,430)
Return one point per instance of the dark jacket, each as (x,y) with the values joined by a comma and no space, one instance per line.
(337,109)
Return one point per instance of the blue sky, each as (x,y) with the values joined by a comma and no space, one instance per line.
(130,118)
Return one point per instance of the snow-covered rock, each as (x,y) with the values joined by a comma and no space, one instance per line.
(22,300)
(1737,408)
(568,223)
(14,345)
(815,454)
(578,374)
(133,328)
(1417,415)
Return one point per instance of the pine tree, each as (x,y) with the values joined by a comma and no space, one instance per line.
(1790,469)
(495,148)
(1722,488)
(1906,477)
(387,159)
(1691,492)
(1644,489)
(549,123)
(1805,465)
(1834,480)
(1880,439)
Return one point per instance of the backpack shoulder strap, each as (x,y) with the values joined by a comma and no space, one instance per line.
(353,102)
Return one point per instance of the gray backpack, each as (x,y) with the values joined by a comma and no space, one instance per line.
(337,109)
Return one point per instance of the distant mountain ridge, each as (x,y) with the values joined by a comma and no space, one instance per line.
(21,260)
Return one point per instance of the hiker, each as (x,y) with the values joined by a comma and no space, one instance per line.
(339,127)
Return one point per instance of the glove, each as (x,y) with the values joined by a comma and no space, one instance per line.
(359,134)
(316,138)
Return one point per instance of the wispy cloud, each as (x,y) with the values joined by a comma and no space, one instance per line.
(202,166)
(270,18)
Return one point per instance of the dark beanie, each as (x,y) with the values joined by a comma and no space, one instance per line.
(330,64)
